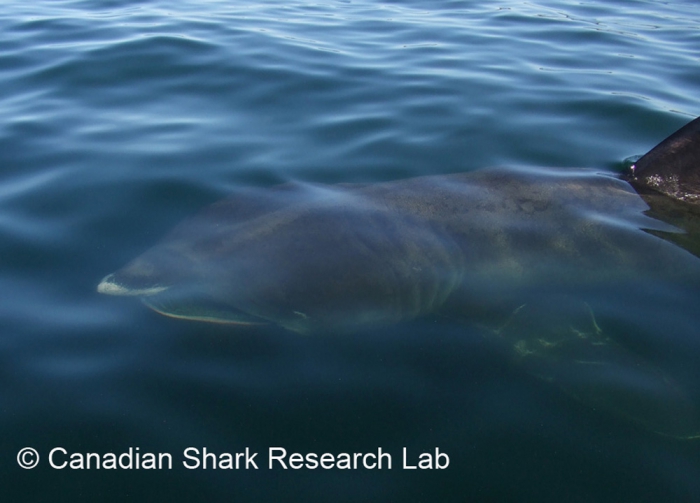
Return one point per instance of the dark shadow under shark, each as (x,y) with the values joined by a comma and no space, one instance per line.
(519,252)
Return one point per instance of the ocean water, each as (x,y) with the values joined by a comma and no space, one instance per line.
(121,118)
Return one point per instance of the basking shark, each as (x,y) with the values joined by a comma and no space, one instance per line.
(518,252)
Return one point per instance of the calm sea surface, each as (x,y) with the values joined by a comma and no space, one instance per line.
(120,118)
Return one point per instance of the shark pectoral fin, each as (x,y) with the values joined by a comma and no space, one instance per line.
(210,312)
(565,345)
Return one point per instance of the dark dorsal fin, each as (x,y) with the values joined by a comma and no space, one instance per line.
(673,166)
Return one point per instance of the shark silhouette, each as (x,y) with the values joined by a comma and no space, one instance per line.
(517,251)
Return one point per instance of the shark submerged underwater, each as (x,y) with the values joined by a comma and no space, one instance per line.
(518,252)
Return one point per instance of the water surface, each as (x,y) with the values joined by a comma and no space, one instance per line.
(121,118)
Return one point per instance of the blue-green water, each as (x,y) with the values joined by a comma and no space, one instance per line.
(121,118)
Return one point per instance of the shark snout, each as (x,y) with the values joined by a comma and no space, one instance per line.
(111,285)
